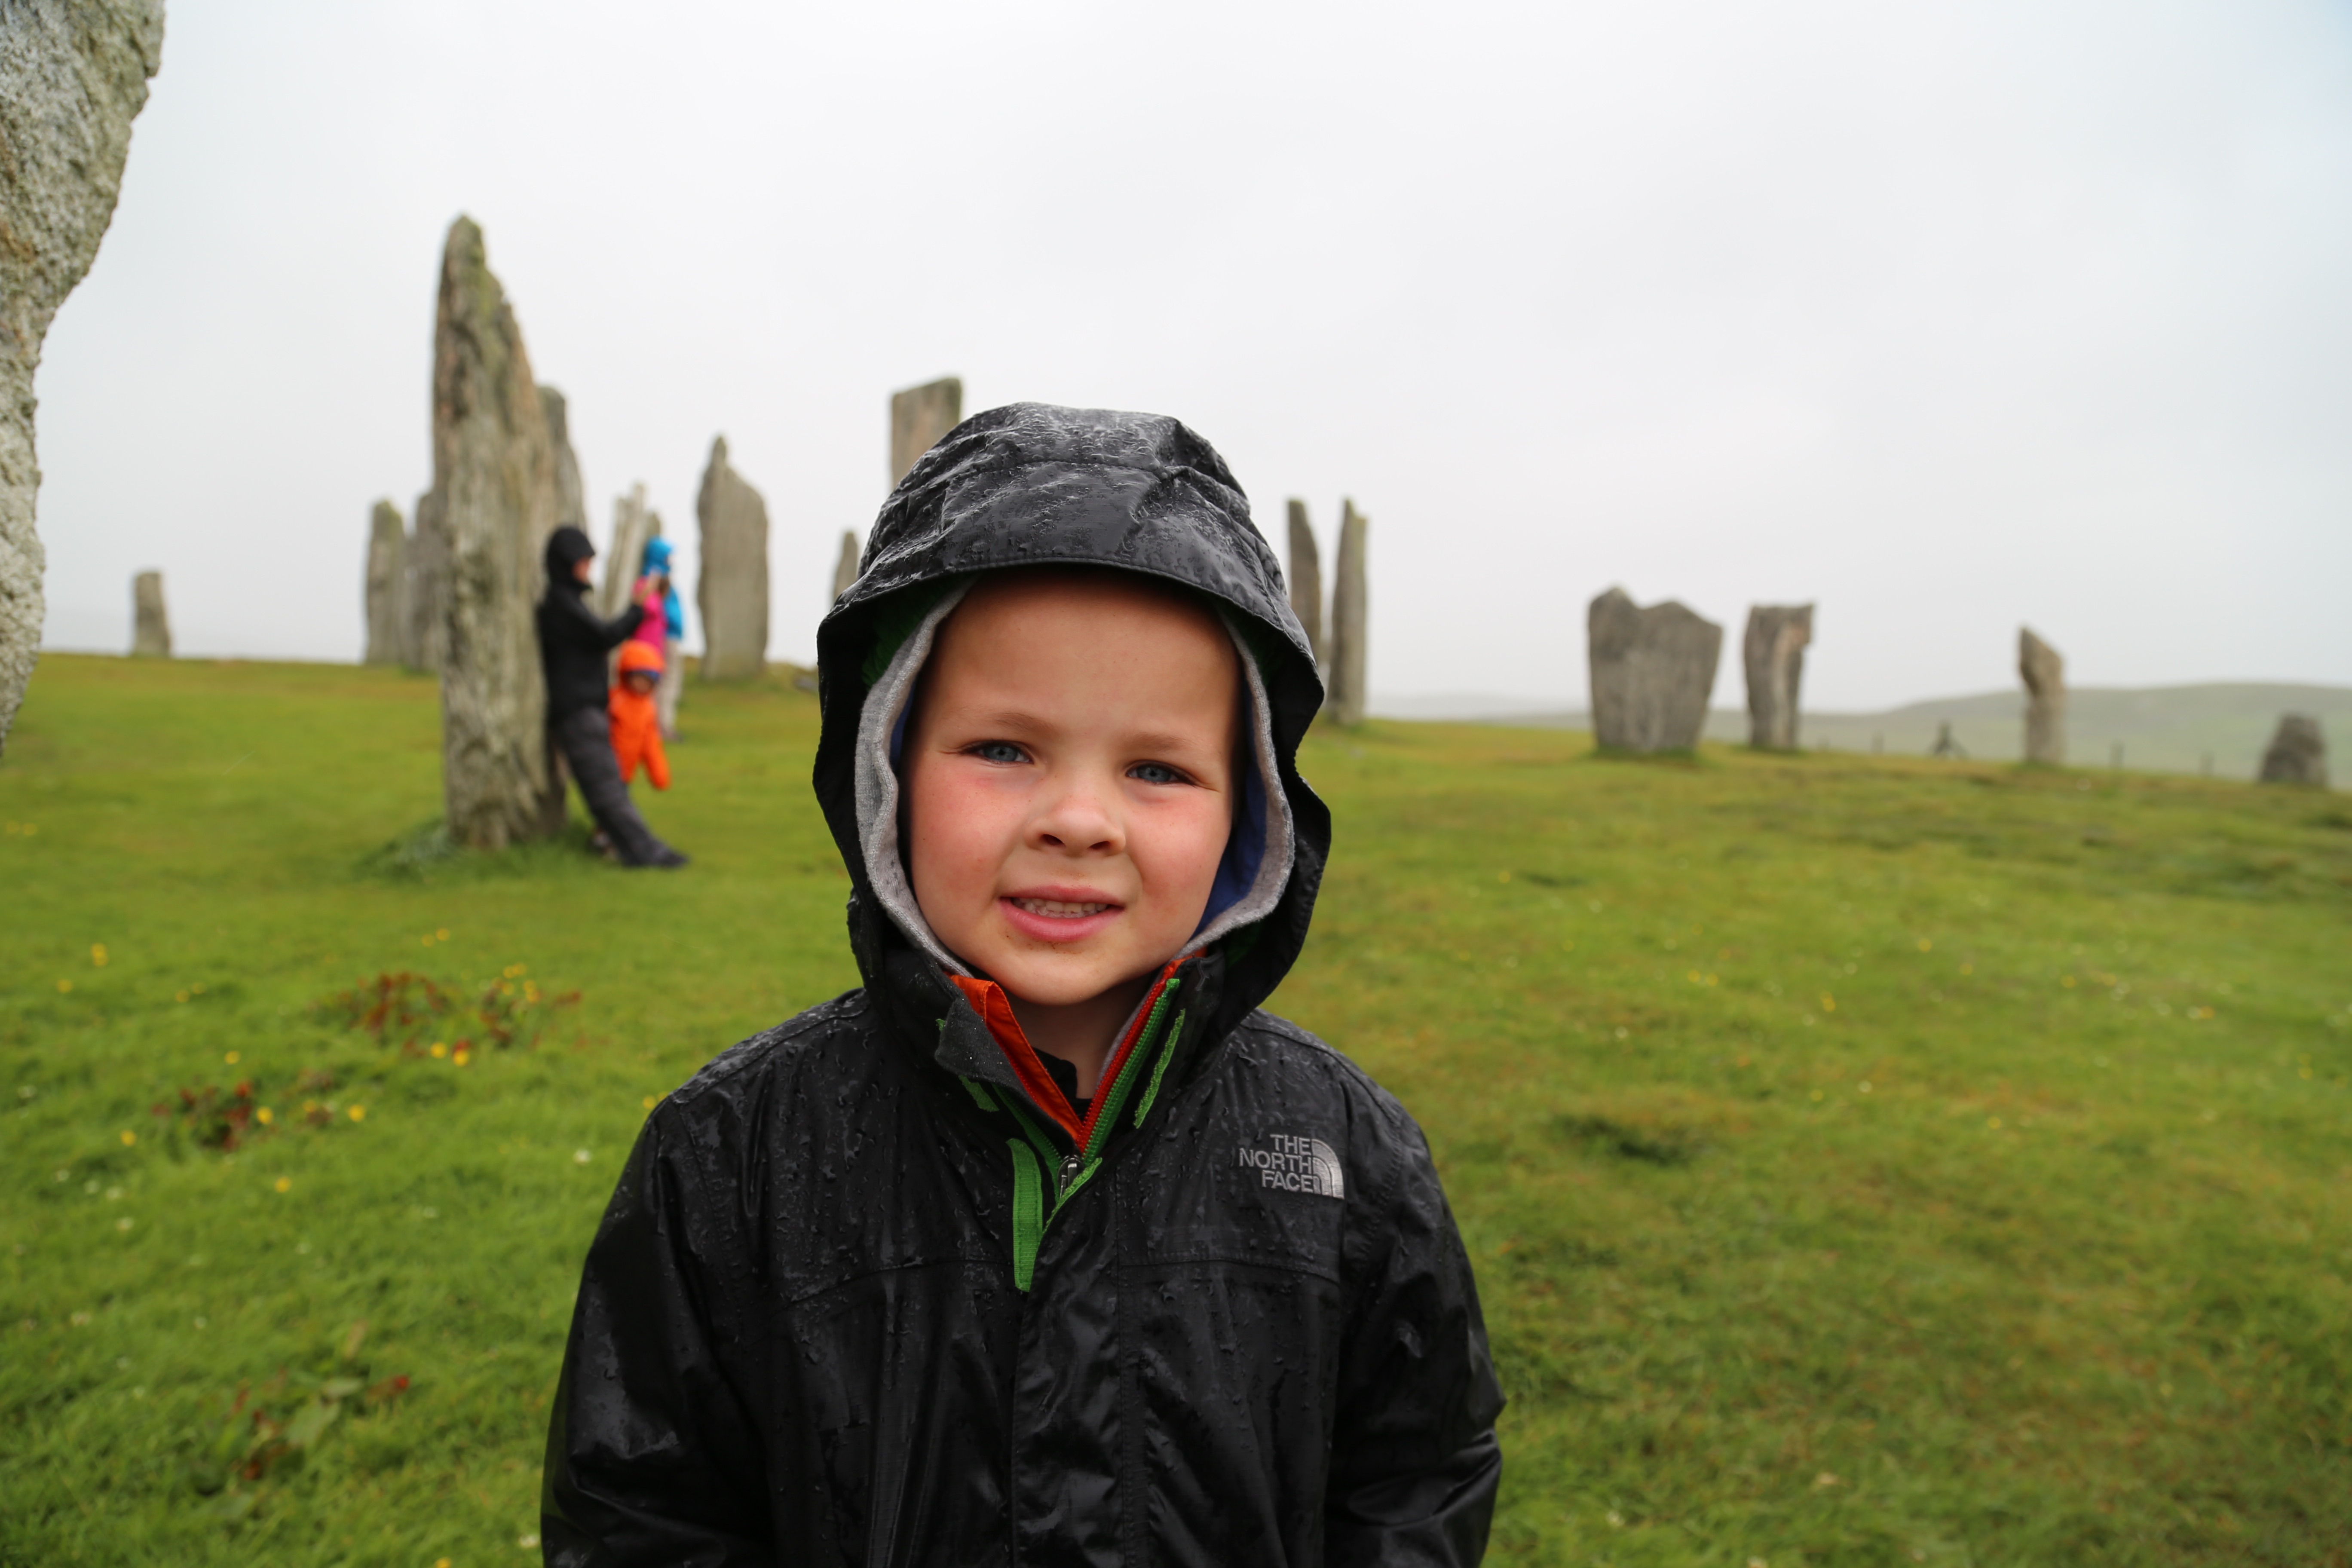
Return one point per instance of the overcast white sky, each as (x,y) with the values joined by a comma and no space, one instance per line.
(1949,315)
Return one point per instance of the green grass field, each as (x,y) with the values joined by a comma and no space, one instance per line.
(1864,1162)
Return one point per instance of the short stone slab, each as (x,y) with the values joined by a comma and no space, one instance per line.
(919,416)
(1351,619)
(732,591)
(2297,753)
(387,564)
(151,625)
(1307,581)
(1774,654)
(1653,670)
(2044,674)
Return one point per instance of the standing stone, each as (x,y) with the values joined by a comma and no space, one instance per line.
(918,418)
(386,564)
(1652,671)
(2045,708)
(732,591)
(494,495)
(151,627)
(73,75)
(1350,628)
(1778,636)
(634,528)
(845,570)
(1307,580)
(570,500)
(425,641)
(2297,754)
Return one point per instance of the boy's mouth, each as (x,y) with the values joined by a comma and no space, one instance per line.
(1058,909)
(1062,920)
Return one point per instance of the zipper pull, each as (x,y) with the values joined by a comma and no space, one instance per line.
(1069,1173)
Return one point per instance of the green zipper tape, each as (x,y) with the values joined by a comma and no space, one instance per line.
(1124,1085)
(1028,1212)
(977,1094)
(1160,1071)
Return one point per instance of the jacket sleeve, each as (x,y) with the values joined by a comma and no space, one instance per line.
(1414,1461)
(577,625)
(651,1456)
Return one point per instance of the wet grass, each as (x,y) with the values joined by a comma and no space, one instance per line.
(1864,1162)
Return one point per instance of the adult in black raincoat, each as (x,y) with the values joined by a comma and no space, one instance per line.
(831,1316)
(574,645)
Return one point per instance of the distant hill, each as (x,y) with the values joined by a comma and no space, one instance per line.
(2161,729)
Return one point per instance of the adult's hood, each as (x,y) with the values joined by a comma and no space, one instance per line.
(566,548)
(1034,485)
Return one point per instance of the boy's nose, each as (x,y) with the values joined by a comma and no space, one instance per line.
(1075,822)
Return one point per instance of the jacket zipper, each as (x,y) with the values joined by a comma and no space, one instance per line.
(1034,1154)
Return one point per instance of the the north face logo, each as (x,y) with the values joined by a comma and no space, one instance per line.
(1296,1165)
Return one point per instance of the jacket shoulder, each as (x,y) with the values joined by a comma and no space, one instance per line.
(1280,1040)
(782,1050)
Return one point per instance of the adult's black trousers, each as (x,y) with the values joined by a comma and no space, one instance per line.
(584,737)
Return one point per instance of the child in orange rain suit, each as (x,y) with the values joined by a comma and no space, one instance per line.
(636,724)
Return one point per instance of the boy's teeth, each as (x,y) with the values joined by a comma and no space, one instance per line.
(1056,909)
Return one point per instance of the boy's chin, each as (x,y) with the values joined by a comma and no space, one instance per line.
(1064,983)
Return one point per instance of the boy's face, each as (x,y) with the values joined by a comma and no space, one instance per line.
(640,681)
(1069,780)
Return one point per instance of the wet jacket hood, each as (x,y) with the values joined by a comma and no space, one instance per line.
(1034,485)
(566,548)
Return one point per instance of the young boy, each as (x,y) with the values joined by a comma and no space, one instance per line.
(1045,1246)
(636,726)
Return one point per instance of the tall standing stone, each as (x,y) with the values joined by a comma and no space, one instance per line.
(570,500)
(1652,672)
(1307,580)
(2297,753)
(494,494)
(845,570)
(918,418)
(424,636)
(634,526)
(732,591)
(73,76)
(1351,609)
(1778,636)
(2044,674)
(151,625)
(387,563)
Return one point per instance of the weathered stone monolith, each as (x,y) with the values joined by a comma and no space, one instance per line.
(845,570)
(1351,609)
(386,565)
(2297,753)
(570,500)
(494,496)
(424,636)
(1652,672)
(1306,579)
(732,591)
(634,527)
(2044,674)
(151,625)
(1778,636)
(918,418)
(73,76)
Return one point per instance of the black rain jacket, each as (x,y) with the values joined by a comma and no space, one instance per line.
(574,640)
(832,1317)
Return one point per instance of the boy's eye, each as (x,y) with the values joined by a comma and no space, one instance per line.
(1156,773)
(999,751)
